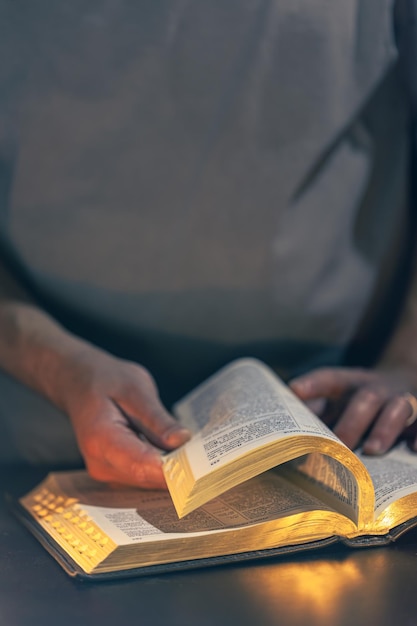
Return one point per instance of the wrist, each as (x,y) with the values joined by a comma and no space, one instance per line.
(36,350)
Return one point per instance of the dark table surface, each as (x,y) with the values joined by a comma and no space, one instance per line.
(328,587)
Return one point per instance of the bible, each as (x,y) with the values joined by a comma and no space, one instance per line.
(261,476)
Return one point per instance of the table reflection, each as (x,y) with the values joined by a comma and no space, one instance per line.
(328,591)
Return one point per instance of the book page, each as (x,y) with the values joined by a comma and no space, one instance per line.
(242,407)
(394,475)
(130,516)
(329,480)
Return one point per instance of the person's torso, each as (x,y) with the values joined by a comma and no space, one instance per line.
(200,169)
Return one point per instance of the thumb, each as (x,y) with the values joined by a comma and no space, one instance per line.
(146,414)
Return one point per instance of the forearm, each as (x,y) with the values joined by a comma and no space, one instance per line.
(400,352)
(34,348)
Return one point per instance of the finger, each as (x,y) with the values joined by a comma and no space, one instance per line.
(141,404)
(317,406)
(390,424)
(114,453)
(359,414)
(333,409)
(329,382)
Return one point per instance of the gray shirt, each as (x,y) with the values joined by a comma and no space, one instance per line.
(201,179)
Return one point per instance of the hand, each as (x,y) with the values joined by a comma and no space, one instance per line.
(362,406)
(119,422)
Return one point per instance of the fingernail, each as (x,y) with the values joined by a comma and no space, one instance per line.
(374,446)
(177,436)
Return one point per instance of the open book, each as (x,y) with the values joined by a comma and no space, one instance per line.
(261,475)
